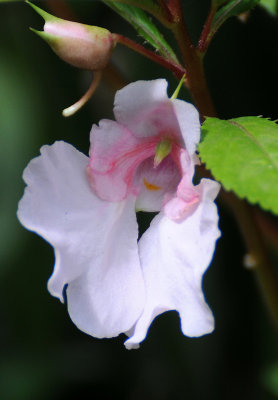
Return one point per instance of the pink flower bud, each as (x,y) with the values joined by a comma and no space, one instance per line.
(83,46)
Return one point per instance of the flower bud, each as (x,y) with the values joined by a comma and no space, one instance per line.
(83,46)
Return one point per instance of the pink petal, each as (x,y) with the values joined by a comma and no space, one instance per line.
(184,202)
(145,109)
(115,154)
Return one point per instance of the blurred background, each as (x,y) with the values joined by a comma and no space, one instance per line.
(42,354)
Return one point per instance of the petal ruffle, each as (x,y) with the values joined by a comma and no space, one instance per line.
(174,257)
(60,205)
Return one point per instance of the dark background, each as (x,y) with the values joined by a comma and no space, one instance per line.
(42,354)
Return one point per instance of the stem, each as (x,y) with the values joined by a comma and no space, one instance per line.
(177,70)
(67,112)
(193,63)
(244,213)
(268,227)
(258,255)
(204,39)
(165,10)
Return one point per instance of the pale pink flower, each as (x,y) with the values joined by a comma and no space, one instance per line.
(86,208)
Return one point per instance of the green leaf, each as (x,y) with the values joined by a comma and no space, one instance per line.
(270,5)
(232,8)
(242,154)
(145,27)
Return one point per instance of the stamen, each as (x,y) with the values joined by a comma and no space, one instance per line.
(162,150)
(176,92)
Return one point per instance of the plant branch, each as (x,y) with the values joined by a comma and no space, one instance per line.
(177,70)
(205,38)
(268,227)
(258,259)
(193,62)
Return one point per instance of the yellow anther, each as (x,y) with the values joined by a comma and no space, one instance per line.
(151,186)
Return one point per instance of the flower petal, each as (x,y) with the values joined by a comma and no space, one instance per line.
(189,123)
(109,297)
(174,257)
(114,156)
(60,205)
(56,204)
(183,203)
(145,109)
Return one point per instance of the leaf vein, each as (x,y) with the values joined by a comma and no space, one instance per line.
(254,140)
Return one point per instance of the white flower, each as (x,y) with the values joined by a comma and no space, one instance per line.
(86,208)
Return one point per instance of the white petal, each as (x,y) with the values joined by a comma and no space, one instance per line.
(137,98)
(60,205)
(174,257)
(57,204)
(189,122)
(109,298)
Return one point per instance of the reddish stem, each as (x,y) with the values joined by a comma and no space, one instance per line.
(165,10)
(268,227)
(204,42)
(177,70)
(260,262)
(193,62)
(175,9)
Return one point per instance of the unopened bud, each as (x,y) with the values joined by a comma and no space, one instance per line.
(83,46)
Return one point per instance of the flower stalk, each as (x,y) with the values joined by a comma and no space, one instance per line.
(193,62)
(69,111)
(177,69)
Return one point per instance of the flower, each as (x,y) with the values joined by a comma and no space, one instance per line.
(86,208)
